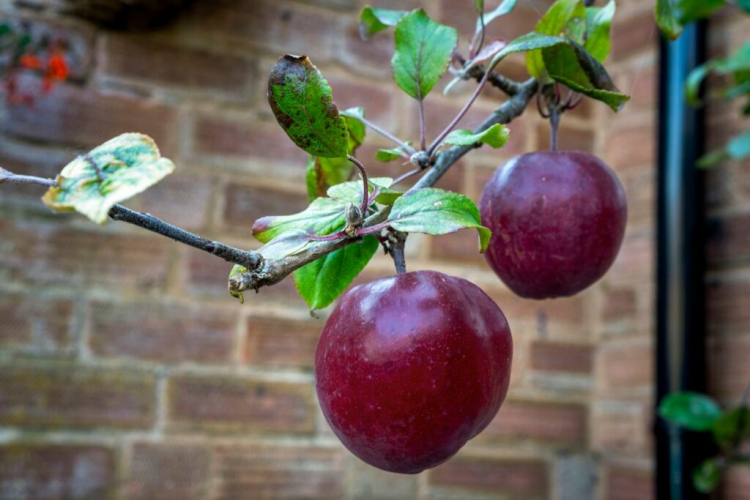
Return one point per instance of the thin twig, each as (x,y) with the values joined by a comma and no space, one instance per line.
(397,247)
(422,126)
(388,135)
(365,184)
(405,176)
(26,179)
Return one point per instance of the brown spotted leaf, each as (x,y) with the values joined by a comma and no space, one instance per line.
(301,100)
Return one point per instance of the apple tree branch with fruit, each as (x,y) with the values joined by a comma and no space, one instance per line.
(550,224)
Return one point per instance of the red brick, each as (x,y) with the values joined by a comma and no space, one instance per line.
(559,357)
(736,483)
(558,311)
(513,478)
(167,471)
(631,147)
(545,422)
(67,396)
(279,473)
(278,28)
(633,35)
(619,303)
(36,325)
(371,57)
(280,341)
(31,253)
(461,246)
(640,191)
(627,365)
(568,138)
(140,59)
(181,199)
(240,405)
(621,429)
(86,118)
(628,484)
(162,332)
(728,366)
(726,305)
(56,472)
(728,240)
(636,260)
(256,141)
(246,204)
(379,101)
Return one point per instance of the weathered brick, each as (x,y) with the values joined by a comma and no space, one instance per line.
(636,260)
(162,332)
(246,204)
(240,405)
(182,199)
(619,150)
(168,471)
(635,34)
(736,483)
(559,311)
(726,305)
(36,325)
(86,118)
(544,422)
(626,365)
(560,357)
(379,101)
(279,472)
(369,483)
(619,303)
(620,429)
(56,472)
(514,478)
(72,396)
(281,341)
(628,484)
(274,26)
(728,366)
(728,239)
(31,253)
(569,138)
(371,57)
(254,141)
(171,65)
(461,246)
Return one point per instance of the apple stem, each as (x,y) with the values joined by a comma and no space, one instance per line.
(554,121)
(397,244)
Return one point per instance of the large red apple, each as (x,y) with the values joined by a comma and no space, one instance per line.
(409,368)
(557,221)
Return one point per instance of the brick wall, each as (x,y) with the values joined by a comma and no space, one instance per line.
(728,251)
(127,372)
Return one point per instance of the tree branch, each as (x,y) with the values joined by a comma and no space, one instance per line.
(272,271)
(507,85)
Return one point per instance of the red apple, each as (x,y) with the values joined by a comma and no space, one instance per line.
(557,221)
(410,367)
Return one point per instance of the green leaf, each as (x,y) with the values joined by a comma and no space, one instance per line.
(423,52)
(690,410)
(598,25)
(479,6)
(351,192)
(289,243)
(113,172)
(434,211)
(496,136)
(706,476)
(570,64)
(563,18)
(693,83)
(386,155)
(323,280)
(373,20)
(323,216)
(323,173)
(301,100)
(237,269)
(693,10)
(744,5)
(525,43)
(666,19)
(736,149)
(732,426)
(505,7)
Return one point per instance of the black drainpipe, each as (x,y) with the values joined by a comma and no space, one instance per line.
(680,330)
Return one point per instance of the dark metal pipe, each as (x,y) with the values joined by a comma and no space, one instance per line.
(680,345)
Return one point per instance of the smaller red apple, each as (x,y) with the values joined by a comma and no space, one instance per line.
(409,368)
(557,220)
